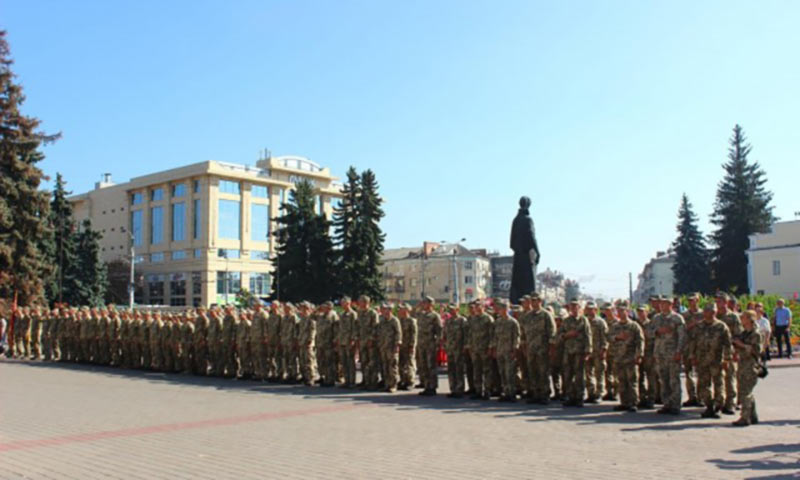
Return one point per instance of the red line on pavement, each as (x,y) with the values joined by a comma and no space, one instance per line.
(169,427)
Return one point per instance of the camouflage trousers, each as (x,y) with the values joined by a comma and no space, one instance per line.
(156,356)
(507,366)
(168,358)
(747,382)
(574,368)
(391,374)
(200,358)
(611,378)
(669,374)
(627,375)
(260,367)
(455,371)
(369,366)
(326,362)
(649,386)
(469,372)
(347,357)
(308,363)
(288,365)
(427,367)
(538,362)
(187,357)
(730,384)
(273,360)
(596,376)
(708,375)
(408,365)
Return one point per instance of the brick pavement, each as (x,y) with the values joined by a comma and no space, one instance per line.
(81,422)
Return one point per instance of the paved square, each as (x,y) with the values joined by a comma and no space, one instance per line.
(62,421)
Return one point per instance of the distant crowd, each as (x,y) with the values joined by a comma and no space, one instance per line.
(585,353)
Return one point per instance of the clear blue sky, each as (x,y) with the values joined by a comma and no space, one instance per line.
(602,112)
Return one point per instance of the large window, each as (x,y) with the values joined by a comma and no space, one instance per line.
(156,225)
(156,194)
(196,220)
(259,255)
(177,289)
(196,186)
(227,186)
(178,222)
(155,288)
(259,191)
(228,223)
(259,284)
(136,227)
(229,253)
(157,257)
(179,254)
(234,282)
(136,198)
(179,190)
(197,283)
(259,222)
(776,267)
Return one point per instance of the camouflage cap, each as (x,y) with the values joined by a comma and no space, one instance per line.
(452,306)
(722,296)
(622,304)
(608,305)
(574,301)
(653,298)
(591,304)
(524,298)
(641,307)
(345,299)
(710,307)
(386,306)
(535,296)
(501,302)
(328,304)
(403,306)
(428,299)
(364,298)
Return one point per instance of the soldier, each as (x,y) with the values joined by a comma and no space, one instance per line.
(21,332)
(367,326)
(670,341)
(692,317)
(468,368)
(228,342)
(596,366)
(647,369)
(734,324)
(429,334)
(63,338)
(200,342)
(538,329)
(187,329)
(306,334)
(35,332)
(244,357)
(216,360)
(626,348)
(104,336)
(454,346)
(575,337)
(154,336)
(748,352)
(610,380)
(327,342)
(408,348)
(557,356)
(711,353)
(273,342)
(87,335)
(49,334)
(480,343)
(144,340)
(348,323)
(505,346)
(390,337)
(522,313)
(115,338)
(289,331)
(259,342)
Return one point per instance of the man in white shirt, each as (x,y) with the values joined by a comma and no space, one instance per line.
(764,328)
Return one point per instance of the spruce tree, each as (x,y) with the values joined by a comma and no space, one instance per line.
(23,207)
(369,238)
(691,270)
(90,268)
(742,208)
(65,283)
(347,265)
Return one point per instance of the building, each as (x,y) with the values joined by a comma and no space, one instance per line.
(656,277)
(773,260)
(448,272)
(202,231)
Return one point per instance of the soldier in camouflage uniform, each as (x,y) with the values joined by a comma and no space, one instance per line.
(692,317)
(168,341)
(115,337)
(36,333)
(712,351)
(21,332)
(306,334)
(429,335)
(228,342)
(505,346)
(348,324)
(626,348)
(480,344)
(575,337)
(289,330)
(596,365)
(670,342)
(537,332)
(259,342)
(454,345)
(154,329)
(144,340)
(390,336)
(731,319)
(104,336)
(216,359)
(326,343)
(244,357)
(50,338)
(408,349)
(367,326)
(200,345)
(187,353)
(273,334)
(748,351)
(649,387)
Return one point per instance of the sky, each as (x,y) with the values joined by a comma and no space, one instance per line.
(603,113)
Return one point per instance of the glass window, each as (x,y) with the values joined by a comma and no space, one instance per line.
(228,223)
(136,198)
(179,254)
(259,222)
(229,253)
(259,284)
(259,191)
(155,288)
(156,194)
(177,287)
(259,255)
(138,259)
(233,284)
(156,225)
(177,301)
(281,197)
(196,220)
(196,186)
(197,283)
(198,253)
(178,222)
(467,265)
(179,190)
(468,279)
(227,186)
(136,226)
(776,267)
(157,257)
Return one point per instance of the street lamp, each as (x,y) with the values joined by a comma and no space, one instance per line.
(454,282)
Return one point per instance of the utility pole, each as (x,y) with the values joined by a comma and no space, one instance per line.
(132,283)
(630,287)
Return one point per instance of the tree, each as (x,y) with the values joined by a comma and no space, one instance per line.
(23,207)
(369,238)
(65,283)
(347,264)
(305,250)
(742,208)
(90,269)
(691,268)
(118,274)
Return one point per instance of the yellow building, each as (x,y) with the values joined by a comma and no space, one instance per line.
(773,260)
(202,231)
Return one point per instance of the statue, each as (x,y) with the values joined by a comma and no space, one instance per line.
(526,252)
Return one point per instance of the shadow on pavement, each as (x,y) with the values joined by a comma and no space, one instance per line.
(781,459)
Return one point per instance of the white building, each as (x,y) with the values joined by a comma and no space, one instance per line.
(773,260)
(656,277)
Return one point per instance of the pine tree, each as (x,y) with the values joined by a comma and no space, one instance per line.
(742,208)
(369,238)
(23,207)
(691,268)
(90,268)
(65,283)
(347,265)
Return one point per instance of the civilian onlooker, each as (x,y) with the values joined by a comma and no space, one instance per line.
(782,319)
(764,328)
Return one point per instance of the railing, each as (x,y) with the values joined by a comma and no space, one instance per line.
(261,172)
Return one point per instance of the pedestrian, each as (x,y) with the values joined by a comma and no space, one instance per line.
(626,347)
(505,347)
(575,338)
(782,318)
(390,337)
(711,354)
(670,341)
(765,329)
(596,366)
(429,335)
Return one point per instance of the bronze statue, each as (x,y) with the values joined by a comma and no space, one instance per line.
(526,252)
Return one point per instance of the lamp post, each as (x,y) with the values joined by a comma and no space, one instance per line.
(131,283)
(454,281)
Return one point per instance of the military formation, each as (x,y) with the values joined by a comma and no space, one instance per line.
(584,354)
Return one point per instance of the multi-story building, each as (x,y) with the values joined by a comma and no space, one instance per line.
(447,272)
(656,277)
(203,231)
(773,260)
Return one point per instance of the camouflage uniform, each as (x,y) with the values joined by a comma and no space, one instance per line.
(200,344)
(216,360)
(647,370)
(289,331)
(144,342)
(367,326)
(596,367)
(36,334)
(538,329)
(103,338)
(244,357)
(390,337)
(505,346)
(187,360)
(454,346)
(168,346)
(749,361)
(734,323)
(575,351)
(306,334)
(22,325)
(154,336)
(670,332)
(228,344)
(692,320)
(346,333)
(429,334)
(611,380)
(115,339)
(325,341)
(259,345)
(626,344)
(273,333)
(712,346)
(480,342)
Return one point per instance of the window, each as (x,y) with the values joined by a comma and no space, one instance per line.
(321,205)
(136,227)
(259,255)
(156,194)
(179,254)
(776,267)
(259,284)
(138,259)
(177,301)
(197,283)
(156,225)
(468,265)
(179,190)
(227,186)
(229,253)
(413,282)
(178,222)
(136,198)
(177,288)
(228,225)
(157,257)
(155,288)
(196,220)
(196,186)
(259,191)
(259,222)
(468,279)
(198,253)
(281,197)
(233,284)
